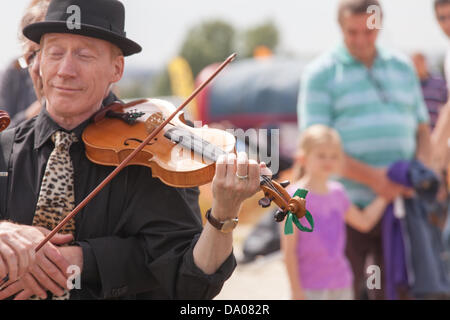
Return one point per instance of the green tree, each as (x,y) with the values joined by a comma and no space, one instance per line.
(265,34)
(206,43)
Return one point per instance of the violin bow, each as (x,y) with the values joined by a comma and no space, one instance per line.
(130,157)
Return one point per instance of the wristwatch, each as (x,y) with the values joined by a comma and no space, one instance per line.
(224,226)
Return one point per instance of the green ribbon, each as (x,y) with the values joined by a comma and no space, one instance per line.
(292,218)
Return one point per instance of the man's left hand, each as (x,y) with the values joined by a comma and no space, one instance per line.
(237,178)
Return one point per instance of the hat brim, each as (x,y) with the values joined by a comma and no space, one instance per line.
(35,31)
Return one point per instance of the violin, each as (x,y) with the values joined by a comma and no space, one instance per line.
(5,120)
(179,155)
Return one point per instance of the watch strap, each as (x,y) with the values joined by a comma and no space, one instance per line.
(223,226)
(213,221)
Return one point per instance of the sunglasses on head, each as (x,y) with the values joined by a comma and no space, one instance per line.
(28,59)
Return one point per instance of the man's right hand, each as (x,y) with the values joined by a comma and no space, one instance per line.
(17,244)
(16,251)
(374,178)
(50,270)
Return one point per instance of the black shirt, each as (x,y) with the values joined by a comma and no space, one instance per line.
(137,234)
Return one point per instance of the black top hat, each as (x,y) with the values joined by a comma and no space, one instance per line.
(102,19)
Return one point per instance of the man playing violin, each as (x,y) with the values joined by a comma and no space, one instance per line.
(138,238)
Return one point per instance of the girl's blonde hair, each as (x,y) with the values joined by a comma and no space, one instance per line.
(312,137)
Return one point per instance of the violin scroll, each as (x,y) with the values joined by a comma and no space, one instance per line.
(273,191)
(276,192)
(297,206)
(5,120)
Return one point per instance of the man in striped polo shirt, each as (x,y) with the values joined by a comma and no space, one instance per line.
(372,97)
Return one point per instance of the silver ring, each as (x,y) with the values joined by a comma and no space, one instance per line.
(242,177)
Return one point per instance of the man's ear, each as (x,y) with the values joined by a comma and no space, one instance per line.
(118,68)
(36,67)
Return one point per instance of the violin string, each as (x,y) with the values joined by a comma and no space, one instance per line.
(197,144)
(268,181)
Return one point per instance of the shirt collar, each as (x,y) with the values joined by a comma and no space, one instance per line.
(45,127)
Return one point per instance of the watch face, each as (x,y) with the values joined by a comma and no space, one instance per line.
(229,225)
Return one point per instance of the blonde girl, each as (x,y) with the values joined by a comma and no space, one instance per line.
(316,263)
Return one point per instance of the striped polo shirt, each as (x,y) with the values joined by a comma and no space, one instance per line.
(376,111)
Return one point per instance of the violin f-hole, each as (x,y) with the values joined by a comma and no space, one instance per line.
(126,143)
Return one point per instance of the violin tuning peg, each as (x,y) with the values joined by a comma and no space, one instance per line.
(279,215)
(264,202)
(284,184)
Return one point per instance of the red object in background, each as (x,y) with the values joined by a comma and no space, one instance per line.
(203,96)
(252,93)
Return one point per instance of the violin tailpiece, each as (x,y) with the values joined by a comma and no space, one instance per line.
(129,118)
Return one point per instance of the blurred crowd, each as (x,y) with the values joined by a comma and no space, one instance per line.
(374,130)
(373,153)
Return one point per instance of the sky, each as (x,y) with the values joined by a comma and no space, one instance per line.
(307,27)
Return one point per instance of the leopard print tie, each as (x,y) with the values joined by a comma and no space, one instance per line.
(56,197)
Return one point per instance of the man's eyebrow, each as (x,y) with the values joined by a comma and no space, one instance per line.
(50,39)
(86,43)
(87,47)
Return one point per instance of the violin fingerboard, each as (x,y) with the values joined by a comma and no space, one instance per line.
(192,142)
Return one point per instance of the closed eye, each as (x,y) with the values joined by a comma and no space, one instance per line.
(54,53)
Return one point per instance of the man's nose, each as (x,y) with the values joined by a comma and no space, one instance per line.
(67,67)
